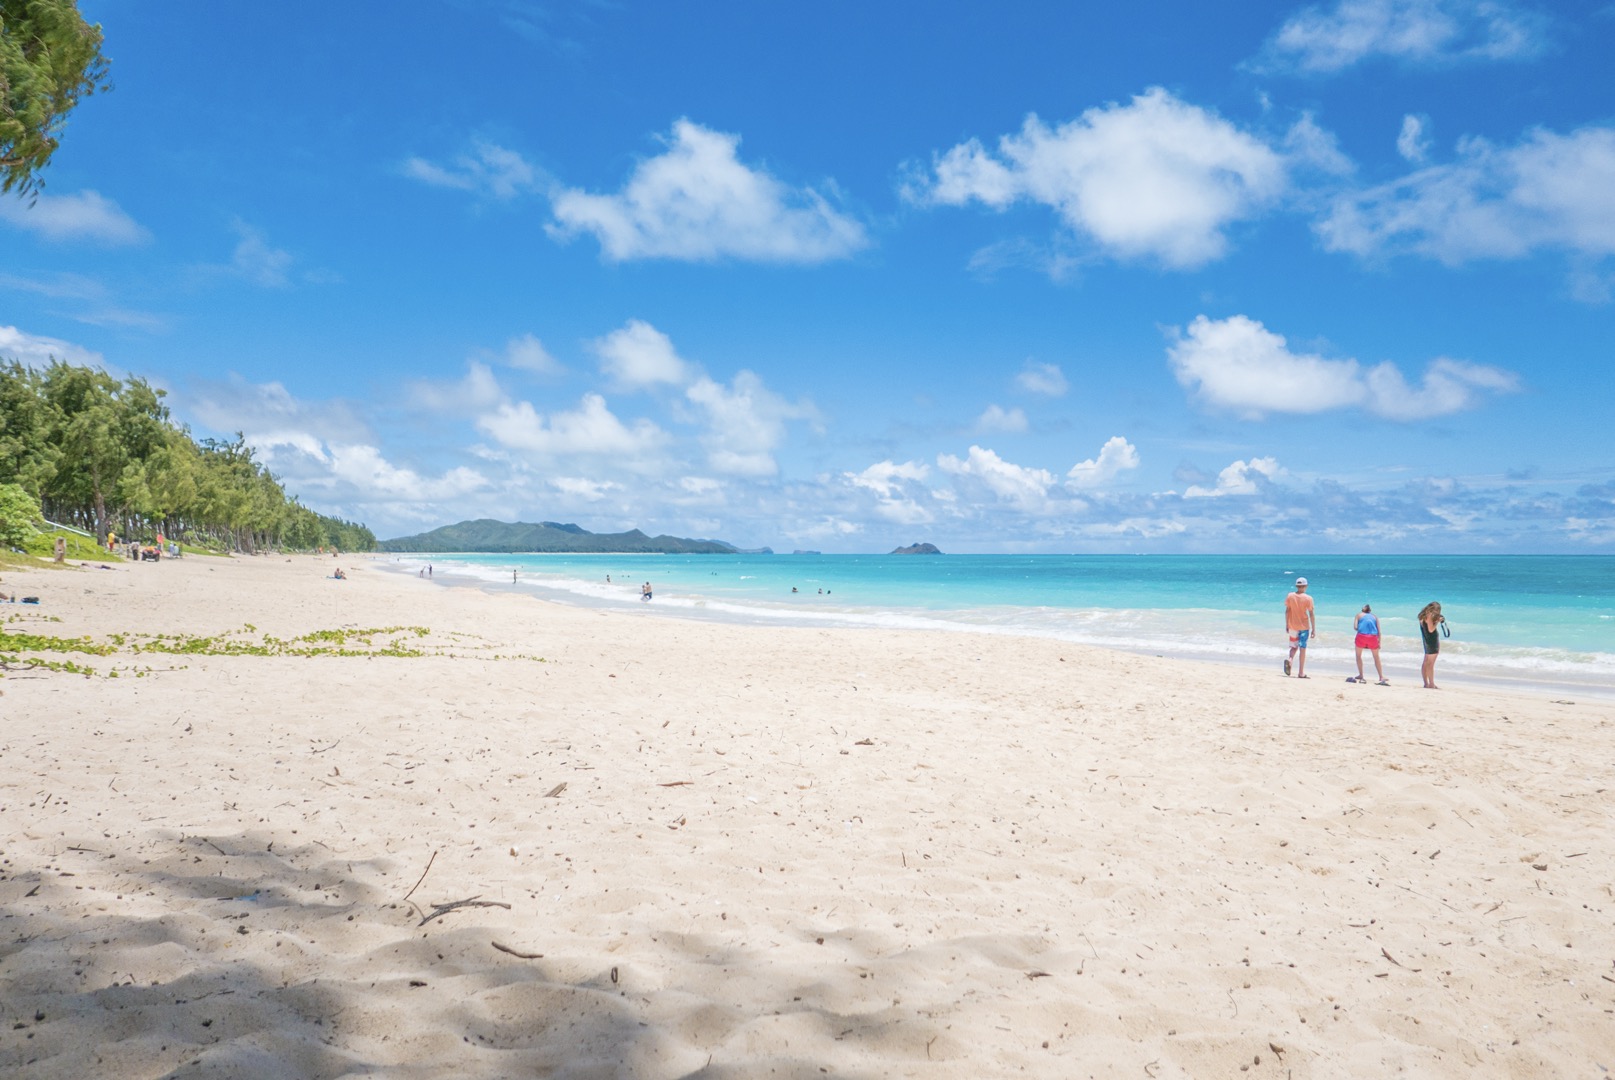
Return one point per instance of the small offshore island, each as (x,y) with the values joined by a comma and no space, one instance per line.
(917,549)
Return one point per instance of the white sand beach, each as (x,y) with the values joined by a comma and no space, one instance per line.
(728,851)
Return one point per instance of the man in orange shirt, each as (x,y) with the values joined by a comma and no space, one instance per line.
(1300,624)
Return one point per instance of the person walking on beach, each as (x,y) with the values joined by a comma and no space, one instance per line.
(1431,624)
(645,591)
(1366,626)
(1301,624)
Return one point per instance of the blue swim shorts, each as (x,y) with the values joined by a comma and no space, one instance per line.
(1300,638)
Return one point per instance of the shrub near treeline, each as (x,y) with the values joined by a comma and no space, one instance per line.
(103,454)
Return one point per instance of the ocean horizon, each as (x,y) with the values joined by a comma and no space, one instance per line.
(1538,622)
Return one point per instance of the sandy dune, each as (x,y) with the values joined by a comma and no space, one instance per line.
(777,852)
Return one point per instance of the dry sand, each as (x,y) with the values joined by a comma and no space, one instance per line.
(777,852)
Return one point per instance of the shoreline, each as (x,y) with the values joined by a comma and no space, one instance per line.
(1338,661)
(727,850)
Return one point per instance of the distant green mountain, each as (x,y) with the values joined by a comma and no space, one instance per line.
(550,537)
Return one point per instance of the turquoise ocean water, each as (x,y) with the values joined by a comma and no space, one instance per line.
(1538,621)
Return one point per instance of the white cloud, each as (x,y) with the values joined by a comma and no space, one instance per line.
(745,422)
(366,470)
(1156,177)
(88,215)
(476,391)
(1548,191)
(527,353)
(1240,478)
(1412,31)
(638,355)
(269,415)
(698,201)
(591,429)
(1308,144)
(1020,485)
(1411,142)
(904,511)
(35,350)
(257,261)
(886,478)
(1046,379)
(584,488)
(1240,365)
(829,528)
(996,418)
(321,447)
(894,485)
(1115,457)
(701,487)
(488,169)
(1591,285)
(1449,386)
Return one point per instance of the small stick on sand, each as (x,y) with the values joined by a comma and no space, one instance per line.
(422,878)
(517,952)
(555,792)
(440,910)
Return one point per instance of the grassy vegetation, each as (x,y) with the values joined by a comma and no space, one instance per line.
(43,544)
(395,641)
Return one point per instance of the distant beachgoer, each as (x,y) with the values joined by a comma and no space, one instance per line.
(61,549)
(428,569)
(1301,624)
(608,579)
(1431,625)
(513,577)
(423,572)
(339,575)
(645,591)
(1366,626)
(793,588)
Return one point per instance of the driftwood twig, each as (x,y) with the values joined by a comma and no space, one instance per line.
(440,910)
(422,878)
(517,952)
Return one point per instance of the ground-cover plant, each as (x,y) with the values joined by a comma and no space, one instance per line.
(393,641)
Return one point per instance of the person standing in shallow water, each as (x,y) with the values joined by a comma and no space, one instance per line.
(1430,620)
(1301,624)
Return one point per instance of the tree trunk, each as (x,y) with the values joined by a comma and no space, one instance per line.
(100,517)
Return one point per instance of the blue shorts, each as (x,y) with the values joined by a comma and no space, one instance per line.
(1300,638)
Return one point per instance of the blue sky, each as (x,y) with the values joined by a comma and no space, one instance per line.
(1161,277)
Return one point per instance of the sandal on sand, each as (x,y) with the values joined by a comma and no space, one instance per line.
(1385,682)
(1286,667)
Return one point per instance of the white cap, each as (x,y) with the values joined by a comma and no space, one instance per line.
(1300,581)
